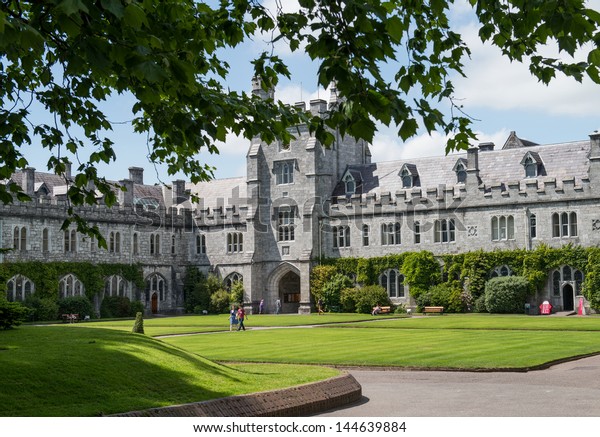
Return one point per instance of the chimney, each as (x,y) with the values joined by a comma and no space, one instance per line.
(594,157)
(318,107)
(136,175)
(28,181)
(472,167)
(333,95)
(178,192)
(126,197)
(486,147)
(300,106)
(257,90)
(67,174)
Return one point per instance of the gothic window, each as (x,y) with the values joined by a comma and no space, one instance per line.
(69,286)
(444,231)
(154,244)
(503,228)
(341,236)
(566,274)
(556,283)
(564,225)
(417,232)
(393,282)
(45,240)
(285,225)
(407,178)
(200,244)
(20,238)
(501,271)
(173,245)
(461,173)
(18,288)
(232,279)
(285,173)
(70,240)
(390,234)
(531,168)
(532,226)
(114,245)
(366,230)
(136,244)
(115,285)
(235,242)
(155,283)
(578,276)
(350,184)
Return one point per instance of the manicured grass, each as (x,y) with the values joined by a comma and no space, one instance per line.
(490,321)
(64,371)
(422,348)
(211,323)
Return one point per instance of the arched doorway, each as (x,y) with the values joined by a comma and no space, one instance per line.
(568,297)
(154,304)
(289,292)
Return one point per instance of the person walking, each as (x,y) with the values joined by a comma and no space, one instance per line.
(241,315)
(277,306)
(261,307)
(232,318)
(320,306)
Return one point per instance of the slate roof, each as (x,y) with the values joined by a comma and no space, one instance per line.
(220,192)
(561,161)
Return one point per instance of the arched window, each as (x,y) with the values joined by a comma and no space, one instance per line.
(173,245)
(564,224)
(350,184)
(70,240)
(532,226)
(154,244)
(20,238)
(501,271)
(114,242)
(155,283)
(503,228)
(235,242)
(366,230)
(566,274)
(45,240)
(407,178)
(285,225)
(18,288)
(232,279)
(285,173)
(531,168)
(444,231)
(391,234)
(136,244)
(393,281)
(200,244)
(341,236)
(461,172)
(69,285)
(115,285)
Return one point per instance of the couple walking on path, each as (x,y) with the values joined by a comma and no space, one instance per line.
(237,318)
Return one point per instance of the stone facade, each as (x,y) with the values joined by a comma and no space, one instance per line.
(301,201)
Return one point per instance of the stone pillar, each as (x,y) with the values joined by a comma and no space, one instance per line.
(136,175)
(305,303)
(28,182)
(126,197)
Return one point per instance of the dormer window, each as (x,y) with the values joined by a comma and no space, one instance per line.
(533,165)
(409,176)
(350,184)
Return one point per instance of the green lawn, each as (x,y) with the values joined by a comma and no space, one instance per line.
(431,342)
(68,371)
(212,323)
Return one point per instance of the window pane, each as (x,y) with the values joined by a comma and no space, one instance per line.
(555,225)
(510,228)
(494,228)
(573,217)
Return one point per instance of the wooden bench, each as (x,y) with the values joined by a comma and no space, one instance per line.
(433,310)
(70,318)
(383,310)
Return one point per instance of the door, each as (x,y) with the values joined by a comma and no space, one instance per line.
(568,298)
(154,303)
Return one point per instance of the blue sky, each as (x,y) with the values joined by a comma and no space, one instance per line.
(502,96)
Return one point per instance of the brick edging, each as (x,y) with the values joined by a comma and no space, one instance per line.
(302,400)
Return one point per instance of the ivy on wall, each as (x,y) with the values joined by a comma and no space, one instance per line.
(46,276)
(471,270)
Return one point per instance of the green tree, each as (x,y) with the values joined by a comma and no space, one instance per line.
(71,56)
(506,294)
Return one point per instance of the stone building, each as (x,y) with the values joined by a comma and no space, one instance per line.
(300,201)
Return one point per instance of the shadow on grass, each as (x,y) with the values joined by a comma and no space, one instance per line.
(61,371)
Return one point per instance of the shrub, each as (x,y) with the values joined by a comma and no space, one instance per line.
(370,296)
(348,299)
(75,305)
(443,295)
(138,326)
(41,308)
(480,304)
(12,314)
(219,302)
(119,306)
(332,291)
(319,276)
(506,294)
(237,293)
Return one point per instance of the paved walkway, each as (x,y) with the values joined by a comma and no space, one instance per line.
(567,389)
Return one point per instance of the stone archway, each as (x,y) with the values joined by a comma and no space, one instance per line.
(284,284)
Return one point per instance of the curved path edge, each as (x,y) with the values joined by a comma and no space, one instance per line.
(301,400)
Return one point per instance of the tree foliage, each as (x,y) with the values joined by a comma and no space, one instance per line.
(70,56)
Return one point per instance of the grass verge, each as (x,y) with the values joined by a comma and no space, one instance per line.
(62,371)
